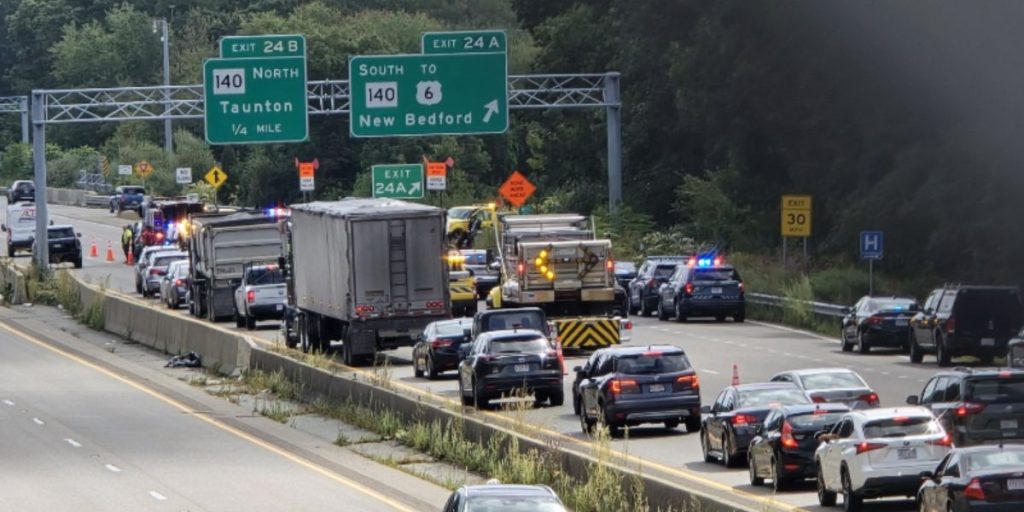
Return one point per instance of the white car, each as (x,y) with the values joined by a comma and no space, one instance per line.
(144,261)
(875,453)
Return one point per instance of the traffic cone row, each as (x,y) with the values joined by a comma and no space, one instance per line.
(94,252)
(110,252)
(735,375)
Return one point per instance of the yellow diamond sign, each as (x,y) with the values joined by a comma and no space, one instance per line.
(216,176)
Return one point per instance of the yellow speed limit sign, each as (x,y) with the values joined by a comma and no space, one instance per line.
(796,216)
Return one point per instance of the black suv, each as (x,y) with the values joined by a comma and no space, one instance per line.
(977,405)
(966,321)
(643,289)
(502,362)
(626,386)
(703,287)
(65,247)
(21,190)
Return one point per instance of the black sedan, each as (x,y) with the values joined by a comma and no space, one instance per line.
(437,348)
(979,479)
(728,426)
(501,363)
(879,321)
(783,450)
(626,386)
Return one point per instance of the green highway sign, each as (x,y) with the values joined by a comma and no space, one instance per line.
(289,45)
(398,181)
(416,95)
(477,41)
(255,100)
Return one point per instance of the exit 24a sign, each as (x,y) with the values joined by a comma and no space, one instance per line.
(398,181)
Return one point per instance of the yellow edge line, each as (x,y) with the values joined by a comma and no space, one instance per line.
(227,428)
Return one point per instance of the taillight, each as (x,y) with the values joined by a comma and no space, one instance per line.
(687,382)
(870,398)
(818,399)
(867,447)
(434,304)
(787,436)
(974,491)
(623,386)
(653,283)
(740,285)
(741,420)
(156,272)
(521,269)
(945,440)
(441,342)
(950,325)
(688,289)
(627,325)
(178,282)
(609,264)
(969,408)
(250,296)
(874,320)
(364,310)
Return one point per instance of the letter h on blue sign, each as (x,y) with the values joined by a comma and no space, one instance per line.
(871,244)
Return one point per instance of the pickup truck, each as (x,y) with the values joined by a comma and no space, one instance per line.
(260,296)
(129,198)
(64,245)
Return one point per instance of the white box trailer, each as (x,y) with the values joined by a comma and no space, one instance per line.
(219,248)
(368,272)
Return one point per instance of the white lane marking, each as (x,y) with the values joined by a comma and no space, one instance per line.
(902,377)
(38,421)
(705,370)
(787,354)
(72,442)
(113,468)
(885,373)
(157,496)
(8,402)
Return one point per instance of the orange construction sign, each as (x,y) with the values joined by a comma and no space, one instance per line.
(437,170)
(306,169)
(517,189)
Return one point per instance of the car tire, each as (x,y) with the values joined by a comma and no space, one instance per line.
(10,251)
(826,498)
(680,317)
(614,431)
(586,424)
(431,369)
(557,398)
(480,400)
(720,318)
(705,450)
(916,352)
(644,310)
(740,317)
(239,323)
(672,424)
(662,315)
(846,345)
(728,459)
(851,502)
(941,352)
(417,370)
(250,323)
(692,424)
(755,480)
(466,400)
(862,343)
(576,406)
(779,482)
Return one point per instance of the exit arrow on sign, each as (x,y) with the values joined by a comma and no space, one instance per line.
(492,108)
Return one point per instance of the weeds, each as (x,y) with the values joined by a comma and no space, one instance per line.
(276,383)
(276,411)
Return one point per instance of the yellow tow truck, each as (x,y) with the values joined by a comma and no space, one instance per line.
(463,221)
(461,286)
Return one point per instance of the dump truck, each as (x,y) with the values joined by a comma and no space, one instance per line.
(370,273)
(219,248)
(554,262)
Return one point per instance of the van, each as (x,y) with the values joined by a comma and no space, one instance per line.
(20,227)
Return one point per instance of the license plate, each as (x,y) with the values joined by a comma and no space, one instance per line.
(902,322)
(656,388)
(717,291)
(1015,484)
(988,342)
(906,453)
(520,368)
(1008,424)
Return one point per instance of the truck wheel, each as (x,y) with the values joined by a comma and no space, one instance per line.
(942,352)
(557,398)
(211,313)
(740,316)
(250,323)
(10,251)
(432,373)
(238,320)
(466,400)
(346,354)
(916,353)
(644,310)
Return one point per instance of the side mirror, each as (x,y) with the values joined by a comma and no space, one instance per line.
(463,352)
(705,409)
(78,234)
(577,369)
(926,475)
(913,400)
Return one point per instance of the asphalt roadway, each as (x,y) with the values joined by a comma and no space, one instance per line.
(757,349)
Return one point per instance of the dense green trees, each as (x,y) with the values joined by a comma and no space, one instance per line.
(893,115)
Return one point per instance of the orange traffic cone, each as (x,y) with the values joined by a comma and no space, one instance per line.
(94,252)
(131,258)
(561,358)
(110,253)
(735,375)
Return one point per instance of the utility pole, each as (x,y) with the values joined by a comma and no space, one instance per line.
(161,24)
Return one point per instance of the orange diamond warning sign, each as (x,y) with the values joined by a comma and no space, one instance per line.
(517,189)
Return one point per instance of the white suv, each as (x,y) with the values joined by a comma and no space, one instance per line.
(878,452)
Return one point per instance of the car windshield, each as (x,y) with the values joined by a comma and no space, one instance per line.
(1006,458)
(901,426)
(265,275)
(650,363)
(664,271)
(715,275)
(832,380)
(514,504)
(450,328)
(61,233)
(892,305)
(771,397)
(519,346)
(816,420)
(163,261)
(996,389)
(515,320)
(181,271)
(459,213)
(625,267)
(134,190)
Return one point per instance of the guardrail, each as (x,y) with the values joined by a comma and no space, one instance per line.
(97,201)
(818,308)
